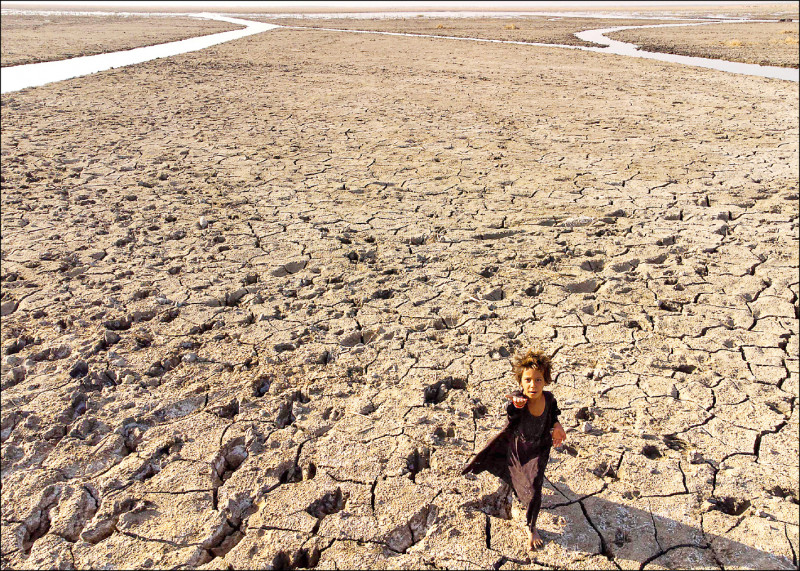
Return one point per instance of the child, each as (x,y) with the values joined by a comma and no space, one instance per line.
(519,453)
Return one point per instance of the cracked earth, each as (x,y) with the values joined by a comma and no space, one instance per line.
(33,38)
(259,304)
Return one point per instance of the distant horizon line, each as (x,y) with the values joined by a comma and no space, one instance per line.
(564,8)
(414,5)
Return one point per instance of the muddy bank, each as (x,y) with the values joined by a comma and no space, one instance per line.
(39,38)
(539,29)
(258,304)
(758,43)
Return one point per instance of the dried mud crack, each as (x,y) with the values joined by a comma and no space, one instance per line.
(258,308)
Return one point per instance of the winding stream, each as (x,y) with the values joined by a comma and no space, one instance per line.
(631,50)
(19,77)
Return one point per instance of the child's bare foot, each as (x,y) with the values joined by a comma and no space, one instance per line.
(534,541)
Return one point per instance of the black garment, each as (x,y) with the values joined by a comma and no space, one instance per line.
(518,454)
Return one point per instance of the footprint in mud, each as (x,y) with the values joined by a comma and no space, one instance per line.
(652,452)
(301,559)
(729,505)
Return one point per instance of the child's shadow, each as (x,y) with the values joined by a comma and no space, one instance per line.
(635,531)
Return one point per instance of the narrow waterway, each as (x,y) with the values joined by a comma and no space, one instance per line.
(616,47)
(19,77)
(631,50)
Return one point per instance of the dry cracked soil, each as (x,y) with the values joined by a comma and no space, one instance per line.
(259,304)
(34,38)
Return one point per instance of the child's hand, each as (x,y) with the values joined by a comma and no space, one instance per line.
(558,435)
(518,401)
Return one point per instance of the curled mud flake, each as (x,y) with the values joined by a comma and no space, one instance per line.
(436,392)
(230,458)
(604,470)
(228,410)
(261,385)
(79,369)
(667,305)
(329,503)
(285,417)
(120,324)
(571,450)
(18,344)
(38,523)
(409,534)
(417,461)
(674,443)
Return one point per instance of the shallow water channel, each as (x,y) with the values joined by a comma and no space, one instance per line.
(19,77)
(631,50)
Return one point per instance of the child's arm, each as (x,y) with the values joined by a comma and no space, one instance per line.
(558,434)
(514,408)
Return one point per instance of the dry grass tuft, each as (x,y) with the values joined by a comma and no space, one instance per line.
(440,26)
(734,43)
(511,27)
(792,41)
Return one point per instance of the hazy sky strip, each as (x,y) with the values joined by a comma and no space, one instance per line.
(410,4)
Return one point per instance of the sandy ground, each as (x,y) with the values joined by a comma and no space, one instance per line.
(35,38)
(538,29)
(258,305)
(760,43)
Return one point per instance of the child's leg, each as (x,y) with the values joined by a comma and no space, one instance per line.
(532,513)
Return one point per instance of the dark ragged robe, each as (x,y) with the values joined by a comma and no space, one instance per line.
(518,454)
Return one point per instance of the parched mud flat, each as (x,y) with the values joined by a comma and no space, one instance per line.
(536,29)
(259,302)
(760,43)
(37,38)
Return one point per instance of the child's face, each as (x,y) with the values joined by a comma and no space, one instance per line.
(532,383)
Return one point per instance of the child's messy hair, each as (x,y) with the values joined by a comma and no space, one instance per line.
(533,359)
